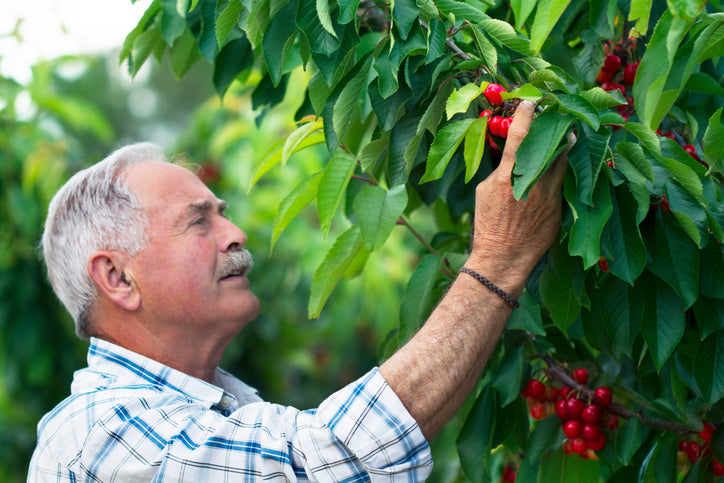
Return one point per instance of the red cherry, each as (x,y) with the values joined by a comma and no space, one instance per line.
(572,428)
(603,396)
(535,388)
(603,264)
(664,203)
(611,421)
(692,451)
(504,126)
(603,76)
(579,445)
(208,173)
(707,432)
(590,432)
(509,473)
(580,375)
(592,414)
(599,444)
(494,125)
(574,407)
(492,93)
(629,72)
(609,163)
(563,392)
(612,63)
(717,468)
(612,86)
(667,134)
(682,445)
(485,113)
(553,394)
(567,447)
(537,411)
(560,409)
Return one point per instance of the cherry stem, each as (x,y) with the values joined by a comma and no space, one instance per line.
(558,373)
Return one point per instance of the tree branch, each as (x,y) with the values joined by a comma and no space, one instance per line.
(559,374)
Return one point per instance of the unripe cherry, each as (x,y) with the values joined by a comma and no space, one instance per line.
(603,396)
(492,93)
(572,428)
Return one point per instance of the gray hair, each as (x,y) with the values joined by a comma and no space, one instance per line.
(94,210)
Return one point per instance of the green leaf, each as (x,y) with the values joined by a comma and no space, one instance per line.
(639,12)
(233,58)
(709,314)
(428,122)
(556,290)
(378,211)
(690,214)
(505,34)
(563,468)
(334,180)
(419,297)
(347,10)
(709,367)
(460,99)
(527,317)
(580,107)
(295,141)
(278,39)
(335,264)
(633,163)
(675,258)
(713,143)
(509,378)
(324,17)
(320,40)
(404,13)
(627,257)
(290,206)
(454,9)
(628,440)
(350,95)
(146,20)
(546,16)
(183,54)
(646,136)
(659,466)
(475,439)
(542,438)
(172,23)
(601,99)
(686,9)
(373,151)
(537,150)
(522,10)
(227,19)
(586,159)
(474,147)
(588,221)
(712,271)
(663,324)
(527,92)
(655,66)
(486,48)
(443,147)
(622,307)
(703,82)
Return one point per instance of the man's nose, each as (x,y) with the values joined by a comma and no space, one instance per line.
(234,238)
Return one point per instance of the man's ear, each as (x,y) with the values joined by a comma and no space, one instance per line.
(106,270)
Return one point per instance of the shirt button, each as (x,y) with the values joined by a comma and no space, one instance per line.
(225,402)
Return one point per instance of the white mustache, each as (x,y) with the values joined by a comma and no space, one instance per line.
(240,261)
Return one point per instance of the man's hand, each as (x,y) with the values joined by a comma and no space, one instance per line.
(436,370)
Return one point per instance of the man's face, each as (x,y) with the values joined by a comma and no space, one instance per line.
(180,273)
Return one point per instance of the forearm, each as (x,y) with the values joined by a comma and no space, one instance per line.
(436,370)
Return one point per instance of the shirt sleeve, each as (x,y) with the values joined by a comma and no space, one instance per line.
(360,433)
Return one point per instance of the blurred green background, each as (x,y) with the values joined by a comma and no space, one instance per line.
(72,112)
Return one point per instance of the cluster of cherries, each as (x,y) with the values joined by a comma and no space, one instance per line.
(694,450)
(583,421)
(609,74)
(497,125)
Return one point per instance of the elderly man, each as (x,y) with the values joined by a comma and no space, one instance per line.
(139,251)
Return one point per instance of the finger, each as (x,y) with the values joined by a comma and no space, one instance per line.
(522,119)
(556,173)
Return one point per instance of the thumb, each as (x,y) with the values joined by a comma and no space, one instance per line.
(522,120)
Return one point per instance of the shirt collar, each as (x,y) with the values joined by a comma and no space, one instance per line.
(120,366)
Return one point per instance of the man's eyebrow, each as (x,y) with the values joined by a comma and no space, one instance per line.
(204,206)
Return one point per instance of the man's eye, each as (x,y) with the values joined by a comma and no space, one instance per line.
(198,221)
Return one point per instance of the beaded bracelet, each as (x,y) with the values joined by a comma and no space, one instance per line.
(497,290)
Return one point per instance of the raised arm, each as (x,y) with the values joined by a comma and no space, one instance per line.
(436,370)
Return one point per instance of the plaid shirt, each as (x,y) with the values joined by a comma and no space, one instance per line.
(130,418)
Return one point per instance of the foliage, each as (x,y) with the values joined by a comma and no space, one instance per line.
(632,290)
